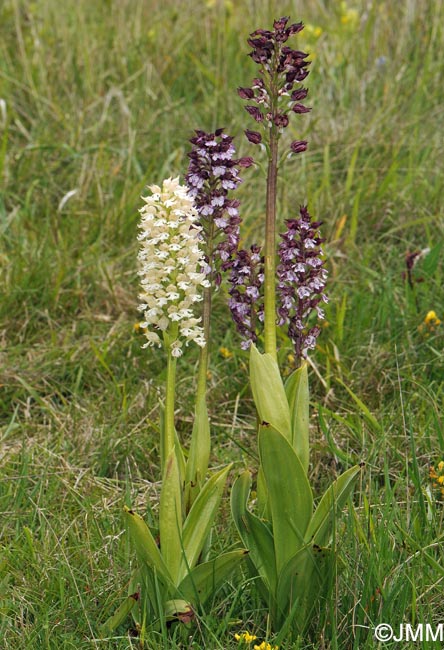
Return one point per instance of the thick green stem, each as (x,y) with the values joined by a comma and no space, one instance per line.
(270,251)
(168,429)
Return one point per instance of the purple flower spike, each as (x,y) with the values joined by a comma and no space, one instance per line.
(280,68)
(301,281)
(246,303)
(212,174)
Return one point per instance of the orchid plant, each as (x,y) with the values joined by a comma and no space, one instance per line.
(290,541)
(172,579)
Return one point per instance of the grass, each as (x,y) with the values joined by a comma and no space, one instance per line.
(98,99)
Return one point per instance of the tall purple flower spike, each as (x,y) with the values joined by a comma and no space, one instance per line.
(246,295)
(212,174)
(278,92)
(301,281)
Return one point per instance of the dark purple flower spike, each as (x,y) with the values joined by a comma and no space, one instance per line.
(213,172)
(278,92)
(301,281)
(246,293)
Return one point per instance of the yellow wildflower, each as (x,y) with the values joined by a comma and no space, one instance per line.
(430,323)
(266,646)
(225,352)
(349,16)
(245,637)
(437,477)
(432,319)
(311,30)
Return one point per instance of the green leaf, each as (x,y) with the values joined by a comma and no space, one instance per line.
(298,397)
(268,392)
(197,465)
(289,493)
(178,609)
(119,616)
(262,505)
(335,497)
(204,579)
(170,516)
(146,548)
(200,519)
(254,533)
(301,582)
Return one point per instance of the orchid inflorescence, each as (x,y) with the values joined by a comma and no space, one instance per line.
(212,174)
(246,299)
(274,93)
(302,277)
(172,264)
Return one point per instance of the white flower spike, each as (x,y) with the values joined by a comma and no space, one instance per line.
(171,266)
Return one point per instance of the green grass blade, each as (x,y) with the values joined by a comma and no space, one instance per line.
(365,411)
(320,527)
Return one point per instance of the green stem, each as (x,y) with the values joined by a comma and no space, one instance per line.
(204,358)
(270,250)
(169,430)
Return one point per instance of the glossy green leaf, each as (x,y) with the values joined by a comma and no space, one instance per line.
(204,579)
(296,388)
(200,519)
(289,493)
(197,464)
(268,392)
(253,532)
(146,548)
(170,516)
(334,499)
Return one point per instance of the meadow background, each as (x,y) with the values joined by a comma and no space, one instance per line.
(98,99)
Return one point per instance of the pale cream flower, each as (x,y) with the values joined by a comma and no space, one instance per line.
(171,266)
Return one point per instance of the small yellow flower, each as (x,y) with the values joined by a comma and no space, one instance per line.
(311,30)
(437,477)
(225,353)
(349,16)
(432,319)
(245,637)
(430,323)
(266,646)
